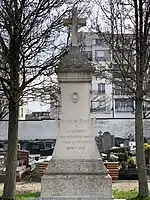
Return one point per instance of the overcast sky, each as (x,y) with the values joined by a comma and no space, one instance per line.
(36,106)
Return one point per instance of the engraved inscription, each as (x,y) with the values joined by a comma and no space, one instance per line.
(75,138)
(75,121)
(74,126)
(76,131)
(75,148)
(73,142)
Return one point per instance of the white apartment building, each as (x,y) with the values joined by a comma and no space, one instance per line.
(23,109)
(107,101)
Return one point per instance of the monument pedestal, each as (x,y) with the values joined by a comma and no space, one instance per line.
(76,171)
(76,180)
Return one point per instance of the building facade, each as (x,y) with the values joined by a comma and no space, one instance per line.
(107,99)
(23,109)
(4,112)
(43,115)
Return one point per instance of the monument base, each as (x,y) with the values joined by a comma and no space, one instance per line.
(76,198)
(76,180)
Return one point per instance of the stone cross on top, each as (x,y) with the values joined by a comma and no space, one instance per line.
(76,23)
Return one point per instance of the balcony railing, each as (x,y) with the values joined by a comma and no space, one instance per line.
(97,91)
(121,92)
(124,109)
(97,58)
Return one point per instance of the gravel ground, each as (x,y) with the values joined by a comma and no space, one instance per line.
(36,187)
(126,185)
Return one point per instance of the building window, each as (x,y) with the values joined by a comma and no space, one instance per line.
(99,55)
(88,55)
(101,88)
(124,105)
(102,55)
(119,90)
(98,106)
(146,106)
(21,112)
(124,55)
(122,70)
(99,42)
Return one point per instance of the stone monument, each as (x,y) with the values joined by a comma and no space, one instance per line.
(76,171)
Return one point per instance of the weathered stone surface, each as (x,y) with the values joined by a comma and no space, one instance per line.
(76,185)
(76,171)
(78,198)
(76,166)
(74,61)
(76,179)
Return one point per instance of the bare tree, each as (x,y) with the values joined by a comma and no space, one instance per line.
(48,93)
(3,98)
(128,38)
(3,106)
(32,40)
(100,103)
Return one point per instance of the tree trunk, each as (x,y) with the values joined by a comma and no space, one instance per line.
(11,163)
(140,153)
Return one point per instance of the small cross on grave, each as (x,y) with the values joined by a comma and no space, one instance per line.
(76,23)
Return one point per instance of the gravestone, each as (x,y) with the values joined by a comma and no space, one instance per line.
(76,171)
(107,141)
(126,142)
(112,140)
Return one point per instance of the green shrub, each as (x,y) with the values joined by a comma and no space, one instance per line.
(147,147)
(131,162)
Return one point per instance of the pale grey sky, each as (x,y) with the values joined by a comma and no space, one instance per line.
(36,106)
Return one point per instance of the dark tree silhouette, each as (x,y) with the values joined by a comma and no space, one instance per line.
(129,42)
(31,41)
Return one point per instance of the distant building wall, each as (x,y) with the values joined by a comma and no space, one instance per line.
(38,116)
(48,129)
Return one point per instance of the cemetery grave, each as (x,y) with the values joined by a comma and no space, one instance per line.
(126,168)
(30,154)
(22,165)
(116,170)
(42,147)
